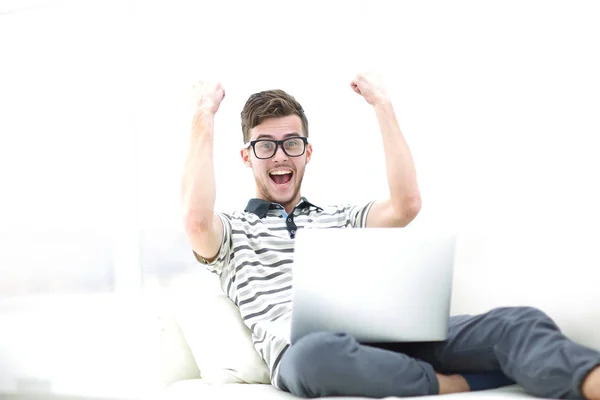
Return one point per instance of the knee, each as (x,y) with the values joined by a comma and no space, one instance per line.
(529,313)
(517,316)
(303,364)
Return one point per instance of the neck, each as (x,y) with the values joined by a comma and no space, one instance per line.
(290,206)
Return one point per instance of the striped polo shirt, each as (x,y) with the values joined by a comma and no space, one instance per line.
(255,262)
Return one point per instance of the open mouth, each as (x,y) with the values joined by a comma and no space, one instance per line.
(281,177)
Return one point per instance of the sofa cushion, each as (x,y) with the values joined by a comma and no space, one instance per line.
(553,271)
(217,337)
(198,389)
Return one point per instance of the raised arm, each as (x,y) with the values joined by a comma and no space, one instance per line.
(203,227)
(404,202)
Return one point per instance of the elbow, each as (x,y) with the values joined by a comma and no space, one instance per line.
(413,209)
(407,210)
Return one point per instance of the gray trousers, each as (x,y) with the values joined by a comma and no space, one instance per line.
(522,343)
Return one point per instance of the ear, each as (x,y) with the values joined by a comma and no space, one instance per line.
(245,153)
(308,152)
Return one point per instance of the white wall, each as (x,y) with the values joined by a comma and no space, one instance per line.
(498,101)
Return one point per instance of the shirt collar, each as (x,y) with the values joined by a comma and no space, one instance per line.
(260,207)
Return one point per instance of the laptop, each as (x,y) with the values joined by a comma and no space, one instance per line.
(376,284)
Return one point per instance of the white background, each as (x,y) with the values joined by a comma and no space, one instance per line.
(498,101)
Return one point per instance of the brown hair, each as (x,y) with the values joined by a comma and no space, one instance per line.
(270,104)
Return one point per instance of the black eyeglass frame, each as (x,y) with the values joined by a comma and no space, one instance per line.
(278,143)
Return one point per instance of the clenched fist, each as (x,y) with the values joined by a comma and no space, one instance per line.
(370,87)
(207,96)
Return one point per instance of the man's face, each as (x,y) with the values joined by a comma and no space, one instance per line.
(278,179)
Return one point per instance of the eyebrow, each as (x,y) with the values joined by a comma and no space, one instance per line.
(287,135)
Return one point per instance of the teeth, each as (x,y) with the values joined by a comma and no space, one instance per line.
(280,172)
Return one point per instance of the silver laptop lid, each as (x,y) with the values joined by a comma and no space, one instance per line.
(377,284)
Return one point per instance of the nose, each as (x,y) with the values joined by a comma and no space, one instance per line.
(280,154)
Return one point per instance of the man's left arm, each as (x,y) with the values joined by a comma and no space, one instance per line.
(404,202)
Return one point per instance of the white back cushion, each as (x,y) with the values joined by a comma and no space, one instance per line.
(557,272)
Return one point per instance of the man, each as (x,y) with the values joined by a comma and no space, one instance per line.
(252,253)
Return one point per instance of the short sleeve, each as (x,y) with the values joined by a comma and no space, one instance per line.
(357,214)
(223,257)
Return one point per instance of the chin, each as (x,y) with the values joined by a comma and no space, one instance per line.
(282,198)
(274,193)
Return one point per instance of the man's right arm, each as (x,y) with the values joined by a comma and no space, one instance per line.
(203,227)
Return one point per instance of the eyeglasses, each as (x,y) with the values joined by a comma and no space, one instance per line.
(266,148)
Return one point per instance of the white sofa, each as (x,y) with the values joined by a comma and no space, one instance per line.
(206,351)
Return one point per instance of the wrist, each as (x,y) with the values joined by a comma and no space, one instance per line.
(383,102)
(204,113)
(383,106)
(202,123)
